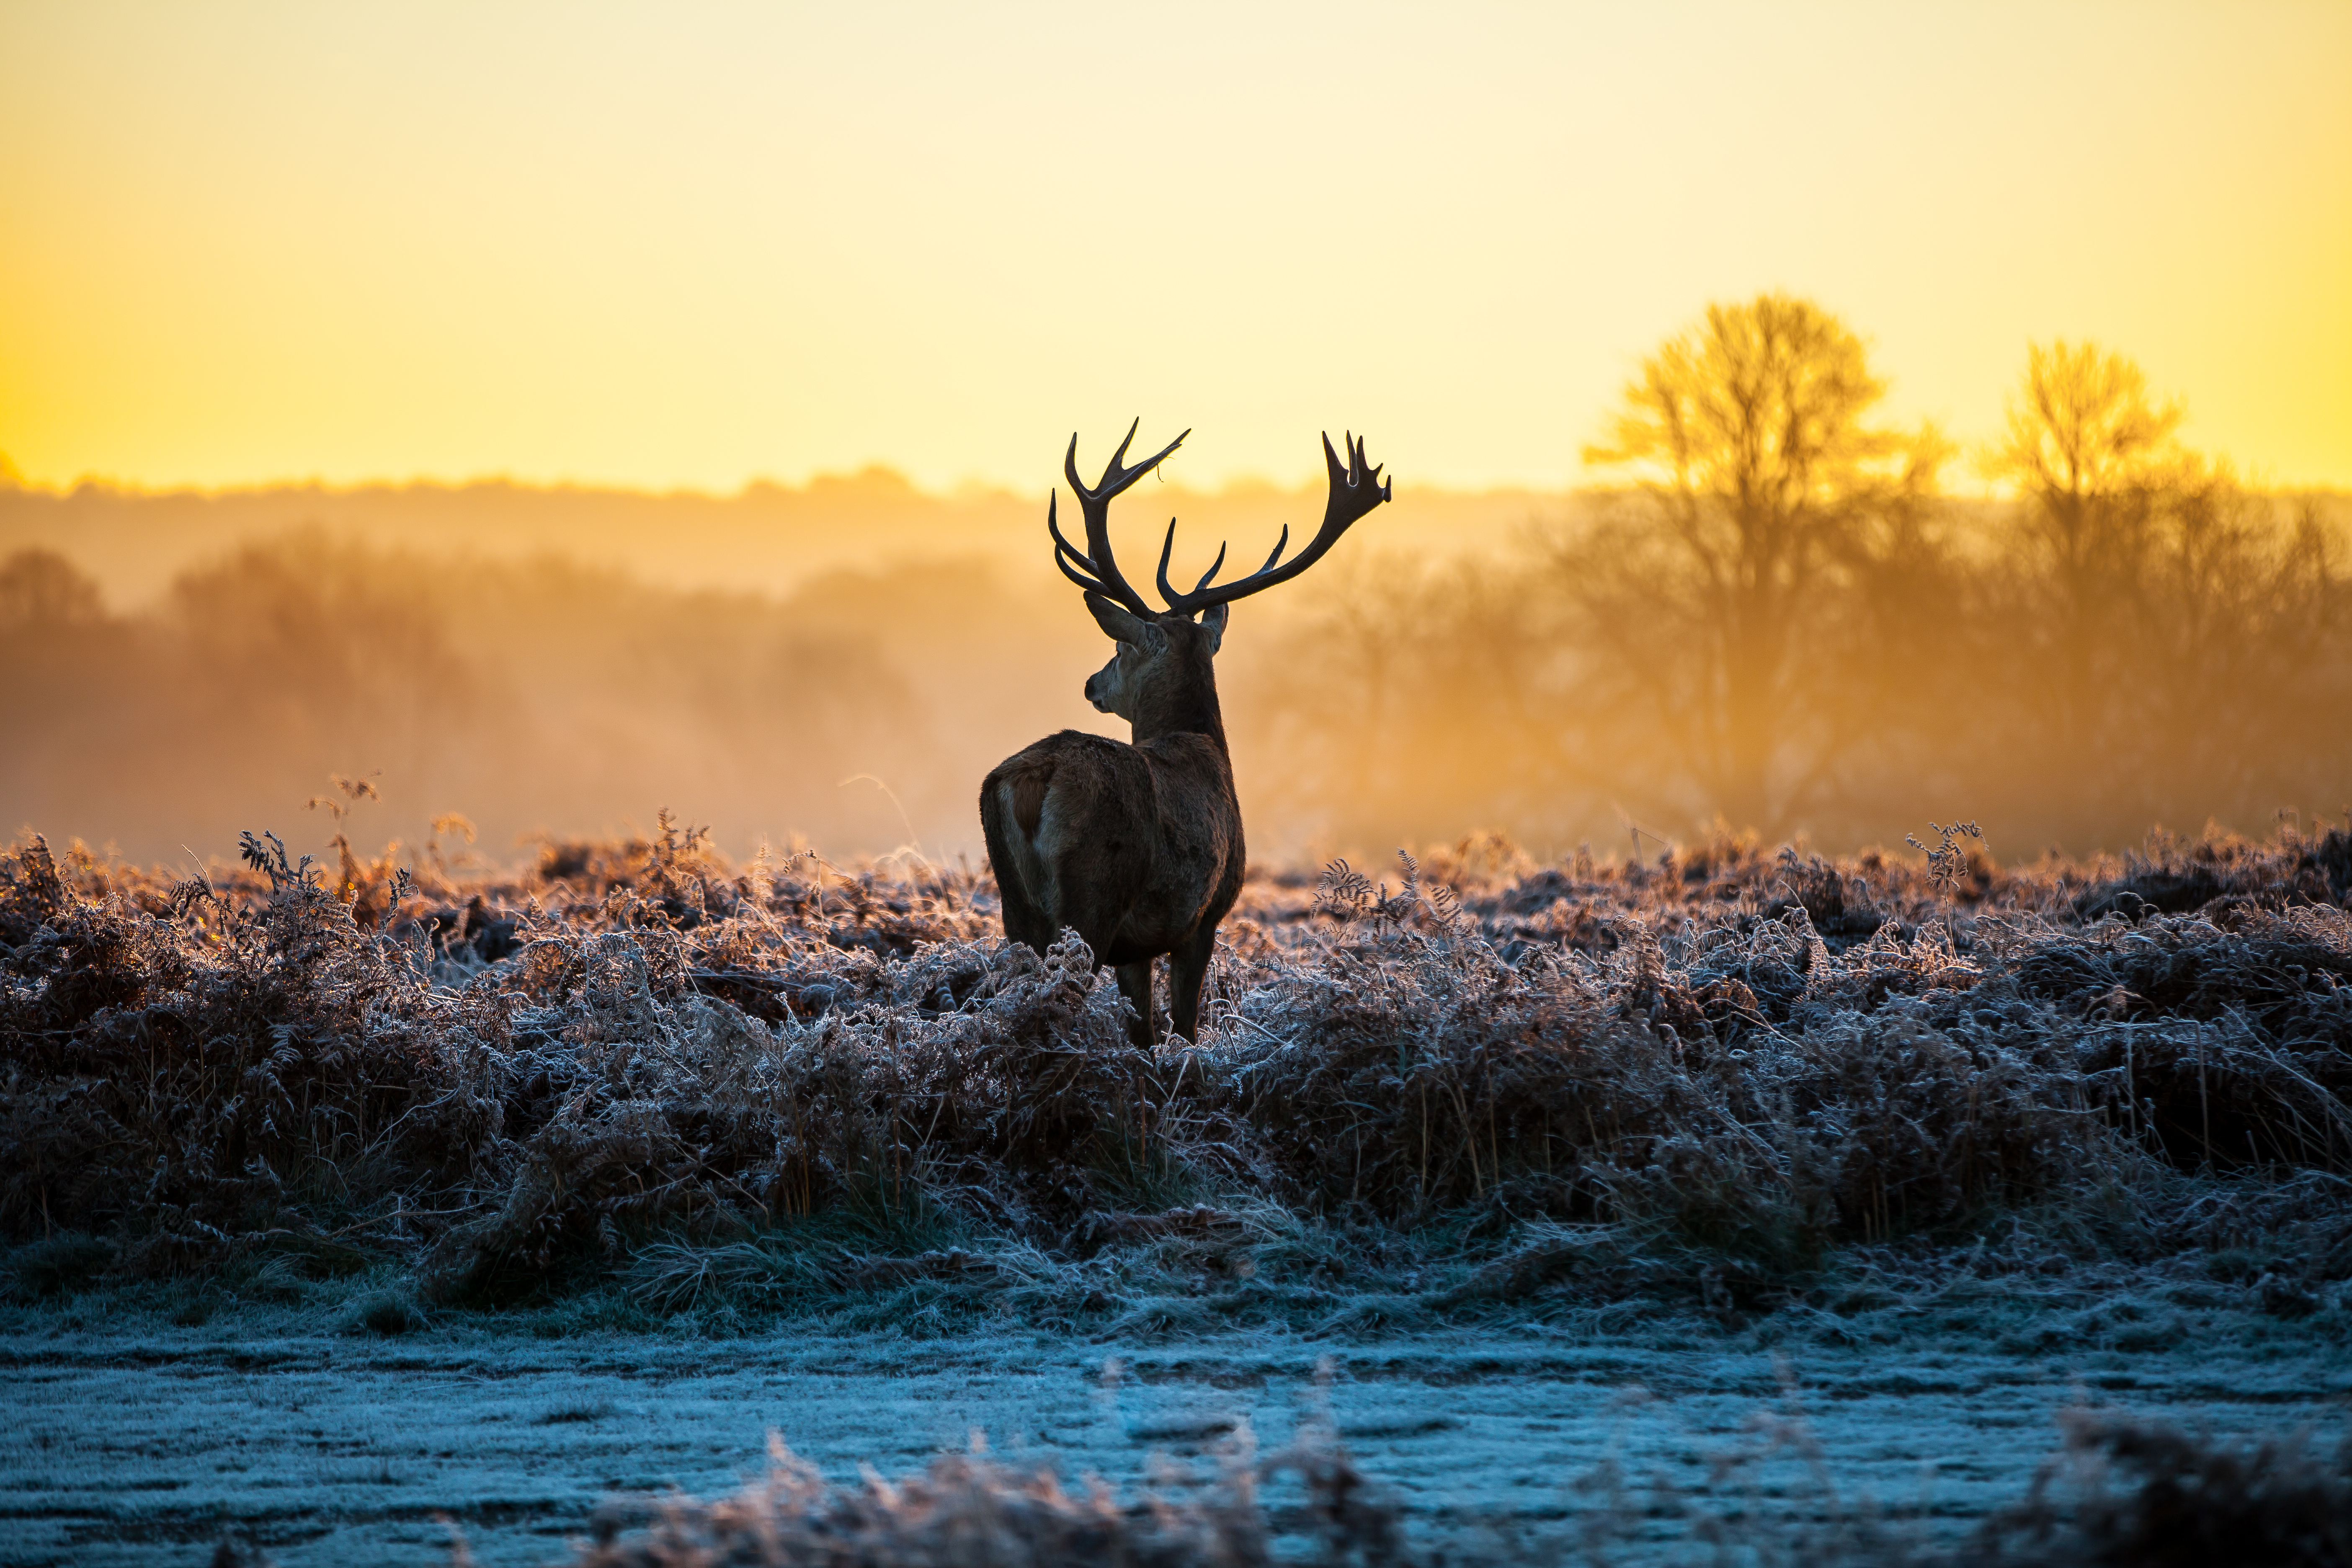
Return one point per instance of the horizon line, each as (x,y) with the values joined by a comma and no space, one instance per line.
(873,477)
(878,476)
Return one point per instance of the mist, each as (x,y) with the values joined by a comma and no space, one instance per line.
(836,667)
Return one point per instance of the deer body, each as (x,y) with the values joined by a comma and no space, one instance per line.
(1138,846)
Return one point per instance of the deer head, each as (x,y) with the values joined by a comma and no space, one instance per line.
(1162,677)
(1152,654)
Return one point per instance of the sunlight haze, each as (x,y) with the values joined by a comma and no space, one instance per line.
(692,247)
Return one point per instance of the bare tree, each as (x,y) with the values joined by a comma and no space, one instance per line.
(1767,505)
(2168,639)
(41,592)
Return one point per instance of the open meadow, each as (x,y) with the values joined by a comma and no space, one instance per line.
(1175,787)
(1611,1208)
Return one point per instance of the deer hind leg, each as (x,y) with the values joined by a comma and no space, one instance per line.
(1135,984)
(1188,966)
(1012,856)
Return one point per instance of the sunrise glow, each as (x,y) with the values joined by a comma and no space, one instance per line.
(242,243)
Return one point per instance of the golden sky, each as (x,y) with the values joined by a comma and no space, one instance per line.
(690,245)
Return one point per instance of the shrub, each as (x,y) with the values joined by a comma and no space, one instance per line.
(1686,1054)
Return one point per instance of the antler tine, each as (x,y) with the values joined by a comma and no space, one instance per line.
(1070,462)
(1356,488)
(1276,554)
(1094,505)
(1167,548)
(1115,478)
(1068,557)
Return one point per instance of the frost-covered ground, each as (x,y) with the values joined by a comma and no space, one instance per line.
(141,1443)
(334,1206)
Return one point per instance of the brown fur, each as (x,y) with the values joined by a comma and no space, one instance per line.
(1137,848)
(1029,787)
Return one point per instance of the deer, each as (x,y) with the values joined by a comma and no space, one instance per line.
(1137,846)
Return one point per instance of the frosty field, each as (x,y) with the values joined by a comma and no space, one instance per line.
(139,1447)
(1865,1211)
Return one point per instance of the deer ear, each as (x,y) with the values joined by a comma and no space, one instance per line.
(1213,621)
(1118,623)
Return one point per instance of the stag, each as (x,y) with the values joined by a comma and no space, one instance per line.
(1137,848)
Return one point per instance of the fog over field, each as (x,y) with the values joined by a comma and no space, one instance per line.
(839,664)
(575,660)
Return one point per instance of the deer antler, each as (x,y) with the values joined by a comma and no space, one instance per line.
(1355,489)
(1095,569)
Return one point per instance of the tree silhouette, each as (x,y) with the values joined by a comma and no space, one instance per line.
(2168,638)
(1768,509)
(41,592)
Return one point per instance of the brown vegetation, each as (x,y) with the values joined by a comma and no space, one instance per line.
(2119,1494)
(1702,1075)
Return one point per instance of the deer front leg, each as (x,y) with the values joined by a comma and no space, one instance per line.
(1135,984)
(1188,966)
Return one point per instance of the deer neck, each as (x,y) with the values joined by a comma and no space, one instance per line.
(1183,704)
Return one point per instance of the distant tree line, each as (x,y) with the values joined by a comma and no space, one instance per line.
(521,695)
(1781,620)
(1777,614)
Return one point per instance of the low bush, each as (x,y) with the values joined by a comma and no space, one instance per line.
(1719,1066)
(2118,1494)
(2133,1494)
(965,1509)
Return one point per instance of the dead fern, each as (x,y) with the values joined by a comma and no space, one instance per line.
(514,1081)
